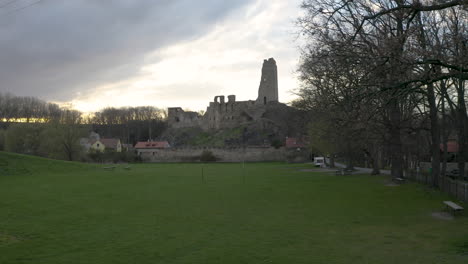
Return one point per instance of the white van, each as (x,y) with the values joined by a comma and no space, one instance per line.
(319,162)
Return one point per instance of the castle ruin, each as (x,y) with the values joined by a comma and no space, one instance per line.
(231,113)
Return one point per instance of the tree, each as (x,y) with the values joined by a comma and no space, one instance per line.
(387,42)
(61,140)
(23,138)
(2,139)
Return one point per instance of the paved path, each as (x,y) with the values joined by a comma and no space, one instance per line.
(363,170)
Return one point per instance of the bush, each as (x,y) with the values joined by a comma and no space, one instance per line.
(23,138)
(207,156)
(276,143)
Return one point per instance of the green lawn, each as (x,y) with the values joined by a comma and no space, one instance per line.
(60,212)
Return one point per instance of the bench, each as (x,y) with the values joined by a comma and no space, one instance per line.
(127,168)
(398,180)
(453,207)
(109,168)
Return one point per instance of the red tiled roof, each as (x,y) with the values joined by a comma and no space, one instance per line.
(452,146)
(152,145)
(294,143)
(110,142)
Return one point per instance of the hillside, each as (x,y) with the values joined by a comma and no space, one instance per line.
(18,164)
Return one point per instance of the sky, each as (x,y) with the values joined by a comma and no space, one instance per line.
(91,54)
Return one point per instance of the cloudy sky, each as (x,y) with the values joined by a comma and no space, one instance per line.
(97,53)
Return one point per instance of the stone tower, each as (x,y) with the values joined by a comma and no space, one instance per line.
(268,90)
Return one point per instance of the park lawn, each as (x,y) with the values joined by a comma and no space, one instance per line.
(63,212)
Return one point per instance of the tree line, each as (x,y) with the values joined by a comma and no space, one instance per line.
(32,126)
(387,79)
(27,109)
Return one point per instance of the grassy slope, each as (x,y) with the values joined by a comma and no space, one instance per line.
(61,212)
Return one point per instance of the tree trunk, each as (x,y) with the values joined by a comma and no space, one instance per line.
(349,158)
(332,160)
(445,133)
(396,154)
(435,135)
(461,127)
(374,164)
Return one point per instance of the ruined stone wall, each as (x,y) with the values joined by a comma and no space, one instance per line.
(231,113)
(178,118)
(249,154)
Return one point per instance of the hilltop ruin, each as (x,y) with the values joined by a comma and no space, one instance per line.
(231,113)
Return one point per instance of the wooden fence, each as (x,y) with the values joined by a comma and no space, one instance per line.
(456,188)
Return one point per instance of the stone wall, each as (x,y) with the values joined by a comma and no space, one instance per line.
(249,154)
(178,118)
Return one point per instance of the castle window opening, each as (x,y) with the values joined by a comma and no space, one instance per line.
(177,119)
(264,100)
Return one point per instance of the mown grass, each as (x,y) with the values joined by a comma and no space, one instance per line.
(62,212)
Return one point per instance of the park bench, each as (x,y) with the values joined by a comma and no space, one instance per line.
(109,168)
(398,180)
(127,167)
(453,207)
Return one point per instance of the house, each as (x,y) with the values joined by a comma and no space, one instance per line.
(151,146)
(97,144)
(112,144)
(452,150)
(295,143)
(91,142)
(452,146)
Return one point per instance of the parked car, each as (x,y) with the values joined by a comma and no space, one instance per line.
(319,162)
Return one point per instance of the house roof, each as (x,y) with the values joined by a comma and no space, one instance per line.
(152,145)
(294,143)
(110,142)
(452,146)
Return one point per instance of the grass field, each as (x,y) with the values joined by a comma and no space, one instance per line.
(60,212)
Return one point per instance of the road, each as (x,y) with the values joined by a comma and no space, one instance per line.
(360,169)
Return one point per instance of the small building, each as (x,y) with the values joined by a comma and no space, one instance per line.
(452,150)
(97,144)
(112,144)
(452,146)
(295,143)
(151,146)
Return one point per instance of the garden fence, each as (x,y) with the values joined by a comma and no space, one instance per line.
(456,188)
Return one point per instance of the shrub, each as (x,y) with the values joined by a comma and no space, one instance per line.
(276,143)
(207,156)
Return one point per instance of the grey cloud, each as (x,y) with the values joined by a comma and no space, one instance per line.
(57,48)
